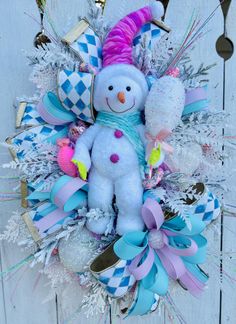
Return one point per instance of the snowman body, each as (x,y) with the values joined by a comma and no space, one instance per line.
(120,90)
(112,154)
(113,149)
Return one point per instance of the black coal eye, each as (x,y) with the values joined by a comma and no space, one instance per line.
(110,88)
(128,88)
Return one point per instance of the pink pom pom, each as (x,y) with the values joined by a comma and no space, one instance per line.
(174,72)
(64,157)
(155,238)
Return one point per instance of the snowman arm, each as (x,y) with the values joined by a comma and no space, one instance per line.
(84,145)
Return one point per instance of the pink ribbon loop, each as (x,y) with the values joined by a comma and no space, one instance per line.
(138,270)
(152,214)
(172,263)
(187,251)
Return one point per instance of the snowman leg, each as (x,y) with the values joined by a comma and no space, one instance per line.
(100,196)
(129,199)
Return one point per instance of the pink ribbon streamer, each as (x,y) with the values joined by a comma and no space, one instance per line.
(51,219)
(50,119)
(195,95)
(67,191)
(159,139)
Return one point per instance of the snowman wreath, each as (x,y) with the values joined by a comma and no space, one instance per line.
(114,164)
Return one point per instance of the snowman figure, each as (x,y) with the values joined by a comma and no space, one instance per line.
(113,149)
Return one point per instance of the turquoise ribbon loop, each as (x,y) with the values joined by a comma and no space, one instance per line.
(56,110)
(143,303)
(177,225)
(200,256)
(130,245)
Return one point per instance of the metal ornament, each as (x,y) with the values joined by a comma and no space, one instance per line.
(41,40)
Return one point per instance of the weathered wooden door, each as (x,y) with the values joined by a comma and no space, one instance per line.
(21,299)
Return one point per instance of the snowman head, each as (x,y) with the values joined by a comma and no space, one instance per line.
(121,88)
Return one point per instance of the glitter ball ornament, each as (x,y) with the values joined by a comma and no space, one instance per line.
(188,159)
(155,238)
(76,252)
(75,130)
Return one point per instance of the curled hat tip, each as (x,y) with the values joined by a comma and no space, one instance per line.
(157,10)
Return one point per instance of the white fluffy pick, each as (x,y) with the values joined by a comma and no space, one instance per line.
(164,105)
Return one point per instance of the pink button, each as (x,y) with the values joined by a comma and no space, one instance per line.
(114,158)
(118,133)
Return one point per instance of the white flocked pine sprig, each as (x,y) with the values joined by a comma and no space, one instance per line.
(48,62)
(97,20)
(39,164)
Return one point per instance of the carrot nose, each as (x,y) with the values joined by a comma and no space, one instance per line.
(121,97)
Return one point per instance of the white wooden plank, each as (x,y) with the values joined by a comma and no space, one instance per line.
(22,304)
(228,313)
(69,307)
(64,15)
(205,309)
(2,296)
(115,10)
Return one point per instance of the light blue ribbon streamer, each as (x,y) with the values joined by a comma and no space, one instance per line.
(155,283)
(195,107)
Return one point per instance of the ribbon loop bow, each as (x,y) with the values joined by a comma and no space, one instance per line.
(166,248)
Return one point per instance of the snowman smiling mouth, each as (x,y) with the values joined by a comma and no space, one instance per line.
(119,112)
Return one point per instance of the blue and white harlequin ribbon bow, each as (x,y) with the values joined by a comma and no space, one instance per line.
(75,99)
(75,93)
(85,43)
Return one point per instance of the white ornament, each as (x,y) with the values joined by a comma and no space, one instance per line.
(187,159)
(76,251)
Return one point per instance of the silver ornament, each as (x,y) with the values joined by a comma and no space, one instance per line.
(76,251)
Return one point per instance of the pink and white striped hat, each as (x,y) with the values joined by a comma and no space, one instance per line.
(117,48)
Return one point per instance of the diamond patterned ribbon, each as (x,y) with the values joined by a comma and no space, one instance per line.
(149,30)
(85,43)
(75,93)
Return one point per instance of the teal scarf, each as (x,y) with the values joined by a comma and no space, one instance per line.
(126,124)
